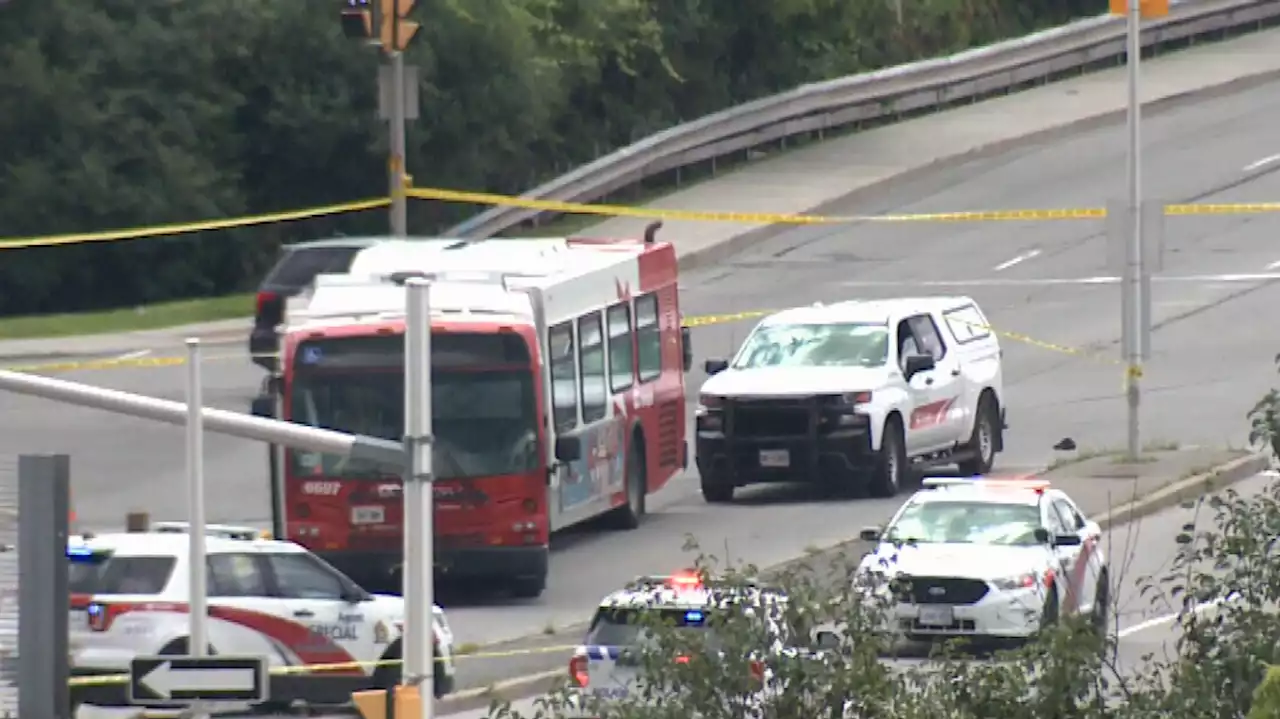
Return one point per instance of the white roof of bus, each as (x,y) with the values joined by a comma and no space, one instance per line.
(479,279)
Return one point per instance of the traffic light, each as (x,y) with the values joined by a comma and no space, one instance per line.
(395,29)
(357,19)
(381,22)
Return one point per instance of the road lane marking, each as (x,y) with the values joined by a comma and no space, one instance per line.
(1170,618)
(1016,260)
(132,355)
(1274,265)
(1261,163)
(1064,281)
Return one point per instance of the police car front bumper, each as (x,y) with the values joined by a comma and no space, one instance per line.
(1002,614)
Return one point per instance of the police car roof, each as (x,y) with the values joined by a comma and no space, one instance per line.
(174,543)
(869,311)
(999,492)
(658,593)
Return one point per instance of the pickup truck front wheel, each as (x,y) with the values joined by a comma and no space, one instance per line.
(981,447)
(891,460)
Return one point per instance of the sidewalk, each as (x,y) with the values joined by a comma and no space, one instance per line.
(170,339)
(807,179)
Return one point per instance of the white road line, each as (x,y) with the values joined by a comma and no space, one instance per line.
(1261,163)
(133,355)
(1170,618)
(1050,281)
(1017,260)
(1274,265)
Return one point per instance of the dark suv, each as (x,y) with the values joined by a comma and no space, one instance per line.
(297,267)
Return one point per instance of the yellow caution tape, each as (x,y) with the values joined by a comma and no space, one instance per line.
(579,208)
(184,228)
(107,679)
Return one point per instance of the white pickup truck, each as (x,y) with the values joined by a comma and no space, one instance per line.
(853,397)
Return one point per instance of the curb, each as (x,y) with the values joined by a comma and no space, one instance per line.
(708,256)
(1182,490)
(1192,487)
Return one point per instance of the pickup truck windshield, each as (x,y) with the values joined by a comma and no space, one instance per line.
(815,345)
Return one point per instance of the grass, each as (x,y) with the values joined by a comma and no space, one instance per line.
(148,317)
(1117,455)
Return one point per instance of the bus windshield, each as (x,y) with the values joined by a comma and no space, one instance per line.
(482,396)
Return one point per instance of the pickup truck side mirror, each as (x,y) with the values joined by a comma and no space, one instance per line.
(870,534)
(264,406)
(916,364)
(686,345)
(715,366)
(1067,540)
(568,449)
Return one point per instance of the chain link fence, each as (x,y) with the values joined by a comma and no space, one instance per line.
(9,573)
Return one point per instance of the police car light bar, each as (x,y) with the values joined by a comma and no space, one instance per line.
(224,531)
(1038,485)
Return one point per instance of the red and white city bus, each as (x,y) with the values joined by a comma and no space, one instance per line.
(557,397)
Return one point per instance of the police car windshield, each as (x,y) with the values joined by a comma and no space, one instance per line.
(960,522)
(632,627)
(815,345)
(483,402)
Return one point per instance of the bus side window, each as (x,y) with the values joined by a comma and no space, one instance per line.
(622,348)
(564,380)
(648,338)
(591,368)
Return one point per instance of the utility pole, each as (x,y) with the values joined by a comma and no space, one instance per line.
(1135,303)
(386,24)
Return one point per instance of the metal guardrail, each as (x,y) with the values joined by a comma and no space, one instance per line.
(9,574)
(891,92)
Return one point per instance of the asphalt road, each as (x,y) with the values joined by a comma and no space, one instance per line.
(1210,361)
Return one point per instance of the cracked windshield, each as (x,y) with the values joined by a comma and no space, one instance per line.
(816,345)
(966,523)
(483,406)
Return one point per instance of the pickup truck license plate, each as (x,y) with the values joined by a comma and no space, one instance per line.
(368,515)
(937,616)
(775,458)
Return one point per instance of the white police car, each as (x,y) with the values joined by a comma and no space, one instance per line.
(322,634)
(986,558)
(853,396)
(606,667)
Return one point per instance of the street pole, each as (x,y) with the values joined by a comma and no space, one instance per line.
(1134,266)
(419,552)
(198,600)
(399,211)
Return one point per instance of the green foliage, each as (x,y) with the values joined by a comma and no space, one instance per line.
(119,114)
(1266,700)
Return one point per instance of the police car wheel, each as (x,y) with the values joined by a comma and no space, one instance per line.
(1101,604)
(891,461)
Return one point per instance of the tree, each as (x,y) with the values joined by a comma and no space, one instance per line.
(123,114)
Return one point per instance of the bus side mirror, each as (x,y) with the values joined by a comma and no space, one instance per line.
(686,343)
(264,406)
(568,449)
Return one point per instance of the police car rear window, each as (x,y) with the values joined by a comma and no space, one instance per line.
(628,627)
(83,569)
(135,575)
